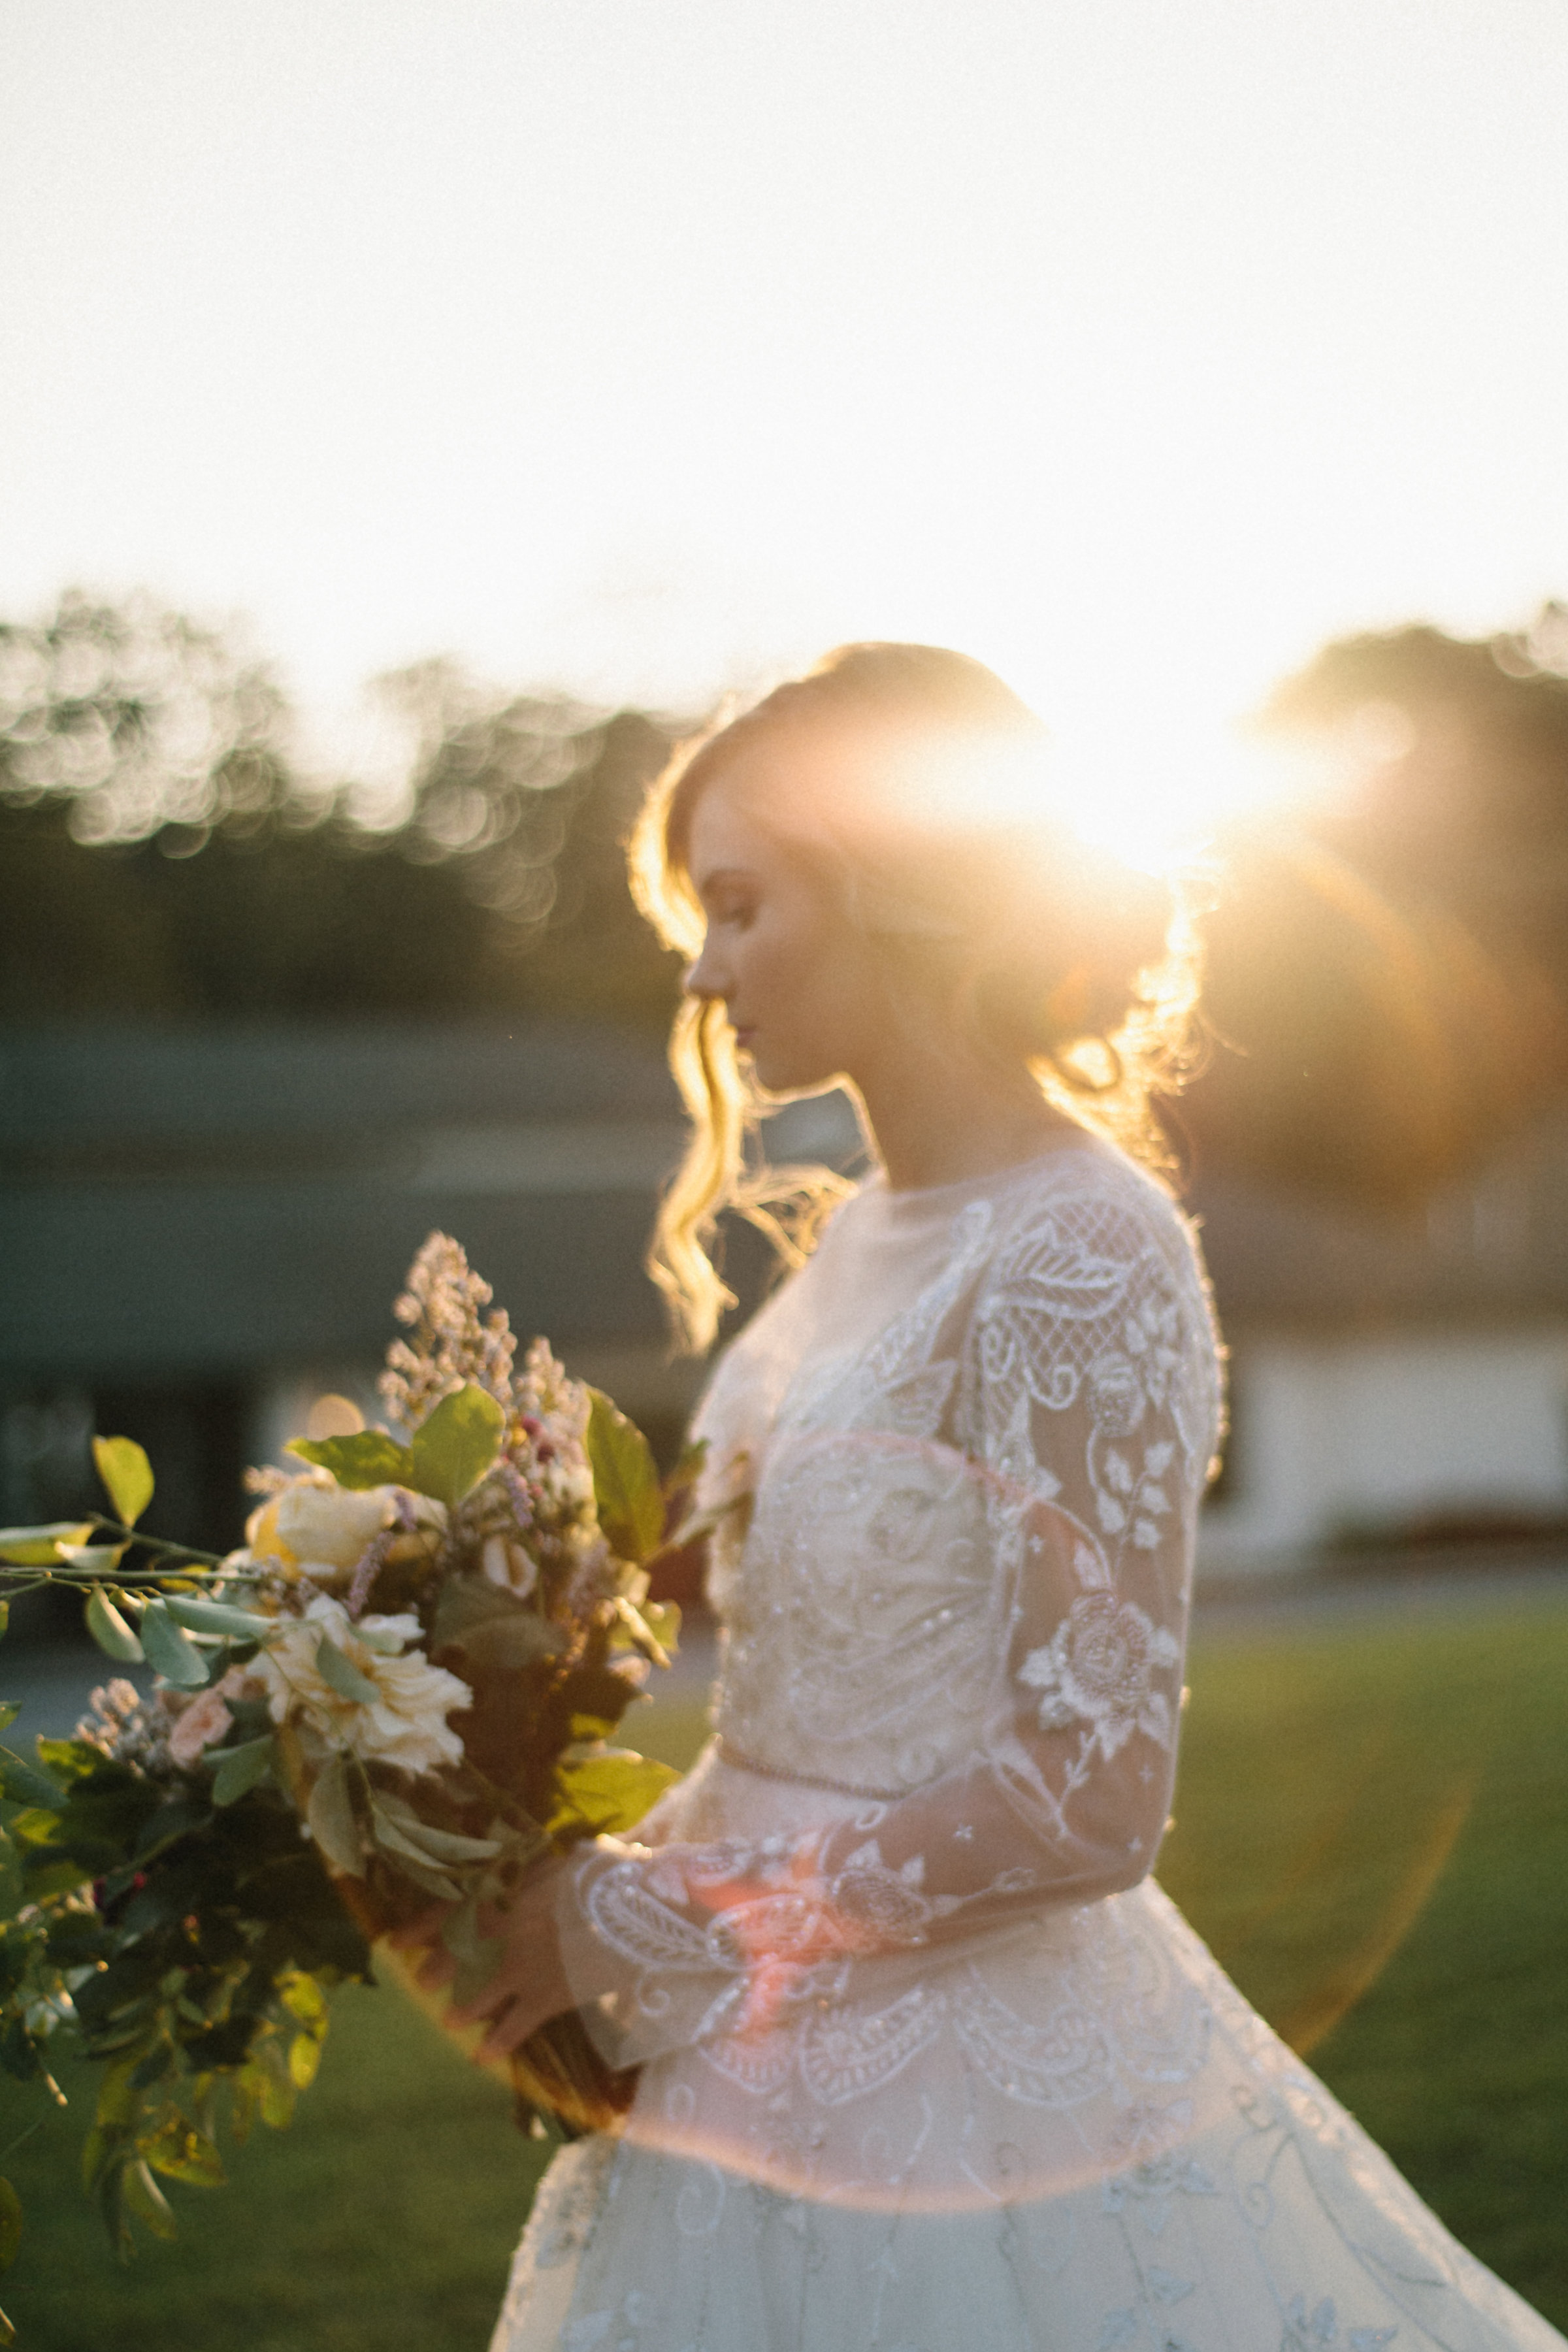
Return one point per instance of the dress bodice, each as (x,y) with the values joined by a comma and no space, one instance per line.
(947,1364)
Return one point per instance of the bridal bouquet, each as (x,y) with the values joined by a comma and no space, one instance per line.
(386,1708)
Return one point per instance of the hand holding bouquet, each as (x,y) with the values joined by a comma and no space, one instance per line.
(376,1718)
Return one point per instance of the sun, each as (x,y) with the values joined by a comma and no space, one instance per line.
(1156,792)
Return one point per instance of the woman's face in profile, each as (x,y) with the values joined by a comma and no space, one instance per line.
(798,982)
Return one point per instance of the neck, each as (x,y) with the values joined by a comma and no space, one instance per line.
(937,1116)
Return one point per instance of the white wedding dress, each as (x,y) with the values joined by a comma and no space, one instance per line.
(930,2064)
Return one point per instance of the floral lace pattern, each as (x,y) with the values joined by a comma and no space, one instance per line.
(928,2058)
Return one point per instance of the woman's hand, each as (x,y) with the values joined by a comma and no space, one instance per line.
(529,1985)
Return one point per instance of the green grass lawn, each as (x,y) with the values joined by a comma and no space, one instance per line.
(1371,1830)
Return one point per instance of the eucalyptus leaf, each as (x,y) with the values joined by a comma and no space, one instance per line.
(220,1617)
(168,1650)
(330,1816)
(369,1458)
(96,1560)
(147,2201)
(40,1547)
(393,1840)
(127,1474)
(10,2224)
(626,1486)
(10,1709)
(455,1444)
(343,1676)
(110,1629)
(242,1769)
(440,1845)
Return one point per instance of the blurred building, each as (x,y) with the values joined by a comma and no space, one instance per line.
(201,1229)
(1394,1380)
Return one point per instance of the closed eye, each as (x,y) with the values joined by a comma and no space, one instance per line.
(730,898)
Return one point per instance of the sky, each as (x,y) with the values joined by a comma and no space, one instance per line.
(647,347)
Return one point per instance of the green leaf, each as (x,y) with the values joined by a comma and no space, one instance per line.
(40,1547)
(302,1998)
(127,1474)
(343,1676)
(626,1481)
(369,1458)
(10,2224)
(304,2057)
(23,1784)
(220,1617)
(5,1622)
(176,1659)
(240,1769)
(662,1619)
(70,1759)
(10,1709)
(609,1792)
(110,1629)
(180,2152)
(331,1815)
(456,1446)
(172,1821)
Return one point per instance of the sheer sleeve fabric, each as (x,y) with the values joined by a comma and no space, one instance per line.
(1079,1370)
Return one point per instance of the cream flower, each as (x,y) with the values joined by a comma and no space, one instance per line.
(405,1724)
(318,1528)
(1099,1669)
(508,1565)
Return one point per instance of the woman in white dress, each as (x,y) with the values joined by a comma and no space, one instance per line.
(928,2062)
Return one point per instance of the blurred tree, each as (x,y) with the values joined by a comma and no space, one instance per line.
(484,876)
(1391,967)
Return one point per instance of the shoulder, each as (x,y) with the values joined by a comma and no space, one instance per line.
(1086,1242)
(1093,1285)
(1088,1203)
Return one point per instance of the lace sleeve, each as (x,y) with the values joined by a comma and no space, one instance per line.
(1082,1421)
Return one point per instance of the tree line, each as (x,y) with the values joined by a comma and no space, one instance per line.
(1388,965)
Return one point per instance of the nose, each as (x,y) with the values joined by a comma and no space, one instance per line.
(704,977)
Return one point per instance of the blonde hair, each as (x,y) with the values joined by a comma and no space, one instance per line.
(1064,964)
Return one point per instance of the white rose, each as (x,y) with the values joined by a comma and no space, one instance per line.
(328,1525)
(406,1723)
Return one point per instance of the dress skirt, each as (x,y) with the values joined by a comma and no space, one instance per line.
(1071,2136)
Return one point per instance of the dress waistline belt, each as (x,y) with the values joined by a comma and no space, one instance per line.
(730,1754)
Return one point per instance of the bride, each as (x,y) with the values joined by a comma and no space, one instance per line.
(928,2062)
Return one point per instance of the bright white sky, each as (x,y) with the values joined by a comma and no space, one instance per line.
(644,346)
